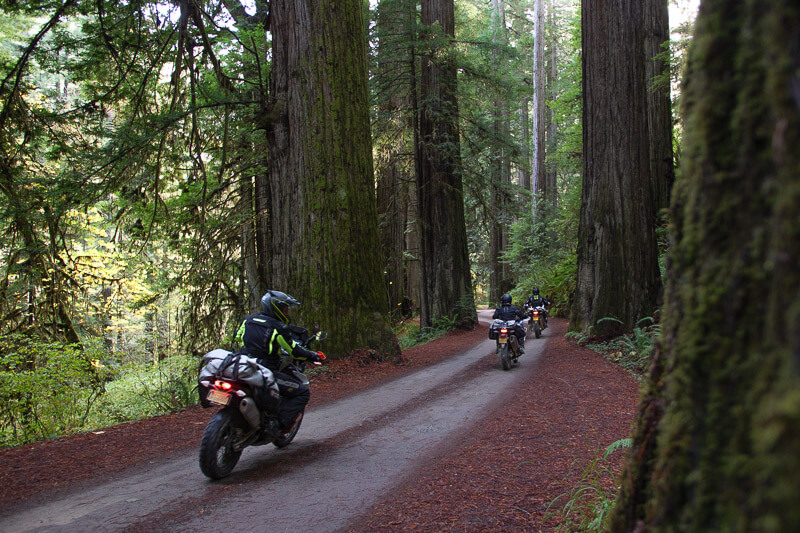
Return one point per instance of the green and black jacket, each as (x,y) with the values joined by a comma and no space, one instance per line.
(263,337)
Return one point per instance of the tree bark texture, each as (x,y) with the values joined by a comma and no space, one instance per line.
(325,244)
(717,446)
(393,139)
(524,170)
(447,288)
(659,106)
(618,275)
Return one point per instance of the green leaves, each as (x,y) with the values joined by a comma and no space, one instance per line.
(46,389)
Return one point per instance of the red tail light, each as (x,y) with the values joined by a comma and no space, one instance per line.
(222,385)
(503,331)
(536,313)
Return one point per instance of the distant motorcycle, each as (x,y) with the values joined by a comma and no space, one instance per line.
(504,332)
(249,396)
(537,322)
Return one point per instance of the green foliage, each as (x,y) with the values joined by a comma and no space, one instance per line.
(543,251)
(146,390)
(589,501)
(632,351)
(411,334)
(47,389)
(543,254)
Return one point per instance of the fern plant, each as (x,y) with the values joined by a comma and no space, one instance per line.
(588,502)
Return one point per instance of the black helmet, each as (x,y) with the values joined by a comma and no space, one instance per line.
(536,290)
(276,304)
(505,299)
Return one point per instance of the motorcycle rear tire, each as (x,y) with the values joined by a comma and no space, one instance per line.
(505,359)
(537,330)
(288,436)
(217,456)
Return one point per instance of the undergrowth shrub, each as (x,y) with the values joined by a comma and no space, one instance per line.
(632,351)
(47,389)
(411,334)
(145,390)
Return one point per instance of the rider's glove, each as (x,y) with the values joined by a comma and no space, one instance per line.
(316,358)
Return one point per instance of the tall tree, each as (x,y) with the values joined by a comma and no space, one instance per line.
(500,183)
(323,210)
(659,105)
(551,176)
(716,444)
(618,274)
(539,126)
(393,139)
(447,287)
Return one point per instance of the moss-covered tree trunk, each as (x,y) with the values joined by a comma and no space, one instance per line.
(717,443)
(447,287)
(618,275)
(325,245)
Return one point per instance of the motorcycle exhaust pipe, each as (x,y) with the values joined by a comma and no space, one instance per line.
(250,412)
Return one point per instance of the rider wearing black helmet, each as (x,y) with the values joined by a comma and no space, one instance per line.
(263,335)
(506,311)
(537,300)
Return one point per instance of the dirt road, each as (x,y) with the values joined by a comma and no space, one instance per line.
(346,456)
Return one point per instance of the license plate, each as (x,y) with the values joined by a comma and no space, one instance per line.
(219,397)
(503,340)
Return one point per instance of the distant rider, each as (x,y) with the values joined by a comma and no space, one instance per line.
(537,300)
(263,335)
(506,311)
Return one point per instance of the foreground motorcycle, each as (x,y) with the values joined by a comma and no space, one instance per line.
(537,322)
(249,396)
(504,332)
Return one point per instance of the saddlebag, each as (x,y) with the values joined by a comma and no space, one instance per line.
(494,329)
(222,363)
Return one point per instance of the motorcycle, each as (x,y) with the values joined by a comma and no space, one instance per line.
(537,322)
(248,395)
(504,332)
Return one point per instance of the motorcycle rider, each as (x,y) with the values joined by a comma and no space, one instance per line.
(537,300)
(262,336)
(506,311)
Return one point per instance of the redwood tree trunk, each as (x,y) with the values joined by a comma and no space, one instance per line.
(539,178)
(393,138)
(618,275)
(717,441)
(325,245)
(551,176)
(500,170)
(659,107)
(447,289)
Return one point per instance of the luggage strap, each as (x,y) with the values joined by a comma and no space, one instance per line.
(230,359)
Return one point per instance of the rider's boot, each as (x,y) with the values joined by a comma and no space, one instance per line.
(270,430)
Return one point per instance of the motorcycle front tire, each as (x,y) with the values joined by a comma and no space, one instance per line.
(217,455)
(288,436)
